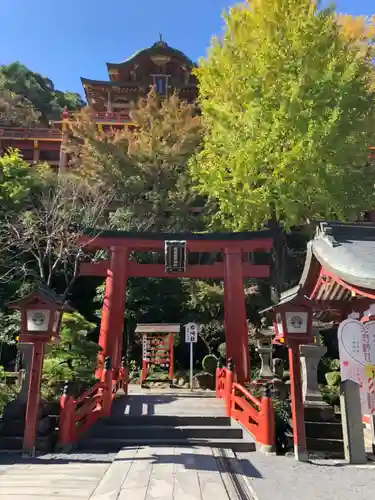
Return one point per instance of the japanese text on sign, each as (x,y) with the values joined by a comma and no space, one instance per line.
(191,333)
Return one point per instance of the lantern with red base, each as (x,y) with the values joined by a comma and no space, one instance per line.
(41,313)
(292,324)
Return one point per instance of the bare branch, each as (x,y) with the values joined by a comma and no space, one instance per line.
(44,239)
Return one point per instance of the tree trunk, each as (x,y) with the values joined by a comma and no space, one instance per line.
(17,365)
(279,254)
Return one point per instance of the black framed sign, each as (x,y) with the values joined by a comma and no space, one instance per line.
(175,256)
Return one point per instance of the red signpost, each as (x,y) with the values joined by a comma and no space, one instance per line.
(41,313)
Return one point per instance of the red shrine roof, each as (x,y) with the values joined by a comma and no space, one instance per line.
(339,271)
(159,48)
(345,250)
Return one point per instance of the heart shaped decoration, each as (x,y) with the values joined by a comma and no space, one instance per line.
(357,341)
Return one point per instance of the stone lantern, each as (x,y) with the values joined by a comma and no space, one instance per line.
(263,338)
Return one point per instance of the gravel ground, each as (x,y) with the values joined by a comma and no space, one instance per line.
(282,478)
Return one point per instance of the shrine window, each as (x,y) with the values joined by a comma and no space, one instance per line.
(49,155)
(160,82)
(27,154)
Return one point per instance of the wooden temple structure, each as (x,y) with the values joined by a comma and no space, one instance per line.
(159,66)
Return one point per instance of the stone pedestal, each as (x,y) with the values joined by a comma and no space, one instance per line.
(264,349)
(27,353)
(278,384)
(15,412)
(354,445)
(315,407)
(278,368)
(16,409)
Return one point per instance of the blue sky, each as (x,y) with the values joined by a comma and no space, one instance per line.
(67,39)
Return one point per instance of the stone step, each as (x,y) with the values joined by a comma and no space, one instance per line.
(320,414)
(329,430)
(170,420)
(44,444)
(334,447)
(166,431)
(96,444)
(16,427)
(181,393)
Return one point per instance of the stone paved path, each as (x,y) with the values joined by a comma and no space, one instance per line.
(282,478)
(53,479)
(149,473)
(172,403)
(144,473)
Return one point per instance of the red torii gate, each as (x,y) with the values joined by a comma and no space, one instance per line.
(233,269)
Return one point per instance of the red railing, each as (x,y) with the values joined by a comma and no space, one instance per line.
(78,415)
(107,115)
(256,415)
(29,133)
(111,116)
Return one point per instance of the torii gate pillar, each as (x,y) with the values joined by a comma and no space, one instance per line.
(236,334)
(112,323)
(234,270)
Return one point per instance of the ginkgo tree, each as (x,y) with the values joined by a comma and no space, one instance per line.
(288,115)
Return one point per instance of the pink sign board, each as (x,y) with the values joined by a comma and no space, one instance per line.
(357,358)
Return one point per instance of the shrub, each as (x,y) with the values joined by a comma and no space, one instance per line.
(331,394)
(7,392)
(209,363)
(327,364)
(333,379)
(222,349)
(334,365)
(254,373)
(73,359)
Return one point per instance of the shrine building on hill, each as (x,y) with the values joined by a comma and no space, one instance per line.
(159,66)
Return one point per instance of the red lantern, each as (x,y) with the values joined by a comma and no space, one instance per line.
(293,322)
(41,313)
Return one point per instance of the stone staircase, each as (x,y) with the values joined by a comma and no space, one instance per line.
(324,436)
(11,435)
(324,433)
(149,420)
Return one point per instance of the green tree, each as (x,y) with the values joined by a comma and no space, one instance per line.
(16,110)
(72,359)
(15,183)
(7,392)
(359,30)
(35,92)
(9,329)
(146,166)
(44,216)
(288,115)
